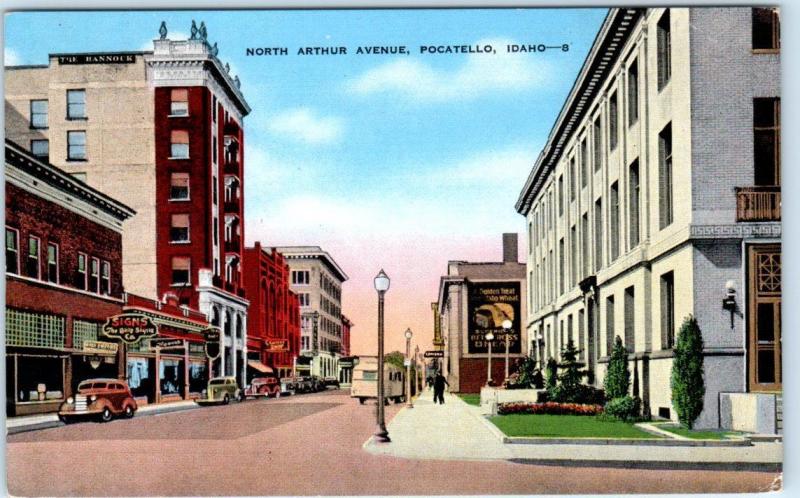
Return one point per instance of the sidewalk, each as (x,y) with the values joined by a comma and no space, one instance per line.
(457,431)
(15,425)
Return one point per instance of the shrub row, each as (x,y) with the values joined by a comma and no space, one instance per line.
(549,408)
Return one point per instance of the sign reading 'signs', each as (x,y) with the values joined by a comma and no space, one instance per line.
(130,327)
(489,305)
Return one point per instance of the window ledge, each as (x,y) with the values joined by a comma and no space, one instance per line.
(76,160)
(38,127)
(175,158)
(180,242)
(181,284)
(766,51)
(77,118)
(179,199)
(178,115)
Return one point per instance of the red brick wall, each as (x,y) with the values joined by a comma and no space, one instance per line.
(73,233)
(472,372)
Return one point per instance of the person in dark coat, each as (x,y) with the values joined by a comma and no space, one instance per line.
(438,388)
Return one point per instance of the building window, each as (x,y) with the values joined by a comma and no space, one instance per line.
(179,228)
(572,180)
(630,329)
(633,92)
(573,256)
(585,245)
(585,162)
(560,195)
(612,122)
(94,275)
(41,149)
(598,234)
(561,258)
(76,145)
(581,334)
(766,29)
(52,262)
(32,263)
(664,41)
(179,186)
(214,189)
(598,144)
(213,108)
(215,230)
(179,102)
(180,271)
(570,336)
(609,325)
(613,221)
(39,114)
(667,311)
(301,277)
(12,251)
(105,278)
(179,144)
(665,176)
(80,273)
(304,298)
(767,140)
(76,104)
(633,204)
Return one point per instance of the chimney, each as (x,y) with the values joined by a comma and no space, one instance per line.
(510,254)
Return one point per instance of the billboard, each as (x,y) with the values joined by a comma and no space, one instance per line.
(489,305)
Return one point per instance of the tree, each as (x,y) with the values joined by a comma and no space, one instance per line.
(618,377)
(688,387)
(552,376)
(569,389)
(526,370)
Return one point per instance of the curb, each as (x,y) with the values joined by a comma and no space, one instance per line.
(655,465)
(627,442)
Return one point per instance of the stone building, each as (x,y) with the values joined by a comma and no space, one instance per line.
(474,298)
(657,196)
(317,280)
(162,131)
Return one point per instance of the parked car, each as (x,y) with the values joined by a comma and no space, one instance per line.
(263,386)
(317,384)
(305,384)
(331,382)
(103,398)
(221,390)
(288,385)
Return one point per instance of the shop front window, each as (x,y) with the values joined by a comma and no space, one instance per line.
(38,379)
(198,376)
(139,379)
(171,377)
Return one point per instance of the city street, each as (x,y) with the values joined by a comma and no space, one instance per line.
(307,445)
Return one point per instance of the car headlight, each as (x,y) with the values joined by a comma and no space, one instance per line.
(93,398)
(70,400)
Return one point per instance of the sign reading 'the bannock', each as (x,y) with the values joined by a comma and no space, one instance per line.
(110,58)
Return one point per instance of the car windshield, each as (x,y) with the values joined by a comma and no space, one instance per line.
(217,382)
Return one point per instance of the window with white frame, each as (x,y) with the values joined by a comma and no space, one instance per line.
(76,145)
(179,102)
(181,268)
(179,186)
(76,104)
(38,114)
(32,265)
(179,228)
(94,275)
(179,144)
(52,262)
(12,250)
(105,278)
(80,272)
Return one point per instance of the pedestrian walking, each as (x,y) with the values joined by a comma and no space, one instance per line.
(429,382)
(438,388)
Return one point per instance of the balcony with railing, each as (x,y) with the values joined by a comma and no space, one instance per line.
(761,203)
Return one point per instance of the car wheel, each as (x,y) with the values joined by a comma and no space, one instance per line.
(226,399)
(129,411)
(106,415)
(240,397)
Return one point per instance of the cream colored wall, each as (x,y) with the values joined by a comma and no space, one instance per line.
(120,145)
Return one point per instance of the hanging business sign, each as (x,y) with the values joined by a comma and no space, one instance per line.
(100,347)
(166,343)
(277,345)
(130,327)
(434,354)
(212,337)
(490,304)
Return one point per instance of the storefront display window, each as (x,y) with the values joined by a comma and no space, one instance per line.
(171,377)
(139,377)
(39,378)
(198,376)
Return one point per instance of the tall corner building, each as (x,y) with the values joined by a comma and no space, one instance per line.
(656,197)
(161,131)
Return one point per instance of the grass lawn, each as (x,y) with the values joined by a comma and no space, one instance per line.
(518,425)
(471,399)
(683,431)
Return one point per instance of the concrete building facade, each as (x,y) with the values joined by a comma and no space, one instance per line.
(317,280)
(475,298)
(162,131)
(657,196)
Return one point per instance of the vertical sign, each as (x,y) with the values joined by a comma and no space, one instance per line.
(489,305)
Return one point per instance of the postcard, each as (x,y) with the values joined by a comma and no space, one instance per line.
(453,251)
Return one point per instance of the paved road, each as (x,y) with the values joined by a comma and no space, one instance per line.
(306,445)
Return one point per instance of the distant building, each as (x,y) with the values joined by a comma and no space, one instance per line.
(346,326)
(63,279)
(475,298)
(317,280)
(656,197)
(273,322)
(162,131)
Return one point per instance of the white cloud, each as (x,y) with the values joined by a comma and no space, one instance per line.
(305,125)
(509,165)
(11,57)
(479,75)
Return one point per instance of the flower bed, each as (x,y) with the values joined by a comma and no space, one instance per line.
(549,408)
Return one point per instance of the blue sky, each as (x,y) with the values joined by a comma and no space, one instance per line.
(396,161)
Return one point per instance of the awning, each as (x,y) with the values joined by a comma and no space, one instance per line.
(259,366)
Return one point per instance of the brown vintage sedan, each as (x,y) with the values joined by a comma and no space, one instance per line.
(103,398)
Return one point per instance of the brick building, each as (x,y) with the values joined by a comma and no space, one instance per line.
(63,279)
(161,130)
(475,298)
(273,321)
(658,196)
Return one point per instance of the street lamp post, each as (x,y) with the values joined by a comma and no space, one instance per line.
(381,285)
(409,404)
(417,369)
(489,338)
(506,329)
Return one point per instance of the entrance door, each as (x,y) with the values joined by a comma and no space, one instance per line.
(764,325)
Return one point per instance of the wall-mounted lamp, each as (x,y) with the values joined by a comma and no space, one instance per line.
(729,301)
(95,361)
